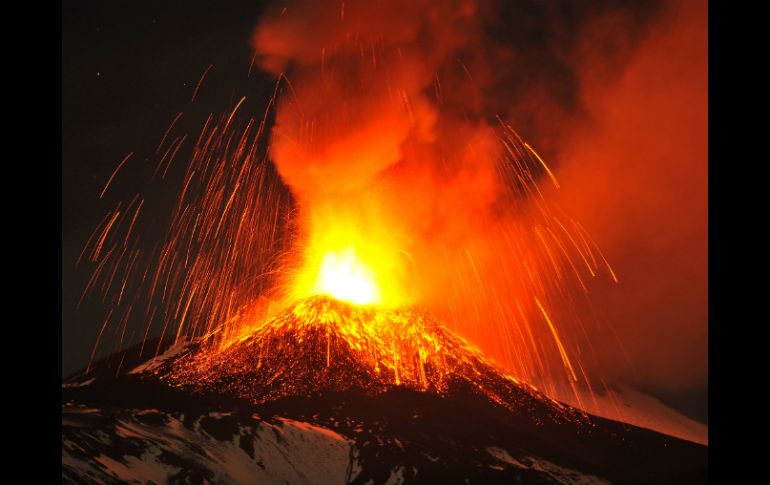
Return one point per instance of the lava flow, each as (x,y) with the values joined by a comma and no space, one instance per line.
(325,345)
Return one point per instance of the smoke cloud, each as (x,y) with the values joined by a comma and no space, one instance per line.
(390,119)
(635,173)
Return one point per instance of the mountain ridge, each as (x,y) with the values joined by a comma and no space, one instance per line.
(459,418)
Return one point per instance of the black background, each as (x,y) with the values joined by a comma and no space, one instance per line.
(128,68)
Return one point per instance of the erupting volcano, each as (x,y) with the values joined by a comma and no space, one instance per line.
(321,344)
(364,278)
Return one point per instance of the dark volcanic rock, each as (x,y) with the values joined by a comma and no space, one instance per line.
(130,421)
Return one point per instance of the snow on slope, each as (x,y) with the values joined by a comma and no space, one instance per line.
(625,404)
(287,452)
(563,476)
(158,360)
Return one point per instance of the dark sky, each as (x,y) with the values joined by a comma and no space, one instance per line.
(129,67)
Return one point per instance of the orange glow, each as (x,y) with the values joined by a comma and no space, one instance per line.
(379,183)
(345,277)
(369,348)
(350,253)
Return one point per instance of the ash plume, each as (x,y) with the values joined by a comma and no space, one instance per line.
(390,118)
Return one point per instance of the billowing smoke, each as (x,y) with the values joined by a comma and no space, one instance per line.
(641,155)
(390,122)
(383,124)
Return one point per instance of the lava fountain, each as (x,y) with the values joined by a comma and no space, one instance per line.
(385,183)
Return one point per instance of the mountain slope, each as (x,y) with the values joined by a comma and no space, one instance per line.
(378,397)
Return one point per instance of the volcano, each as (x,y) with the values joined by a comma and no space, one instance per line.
(329,392)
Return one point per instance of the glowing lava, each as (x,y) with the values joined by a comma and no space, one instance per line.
(321,344)
(343,276)
(351,256)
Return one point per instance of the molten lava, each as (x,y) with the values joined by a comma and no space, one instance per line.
(321,344)
(349,256)
(343,276)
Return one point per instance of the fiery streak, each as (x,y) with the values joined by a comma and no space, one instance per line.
(98,339)
(90,238)
(114,173)
(548,170)
(556,339)
(200,81)
(168,130)
(105,231)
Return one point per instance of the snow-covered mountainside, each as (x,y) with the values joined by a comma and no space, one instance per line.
(148,445)
(623,403)
(317,398)
(152,446)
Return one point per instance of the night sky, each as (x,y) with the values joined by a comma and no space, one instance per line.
(128,68)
